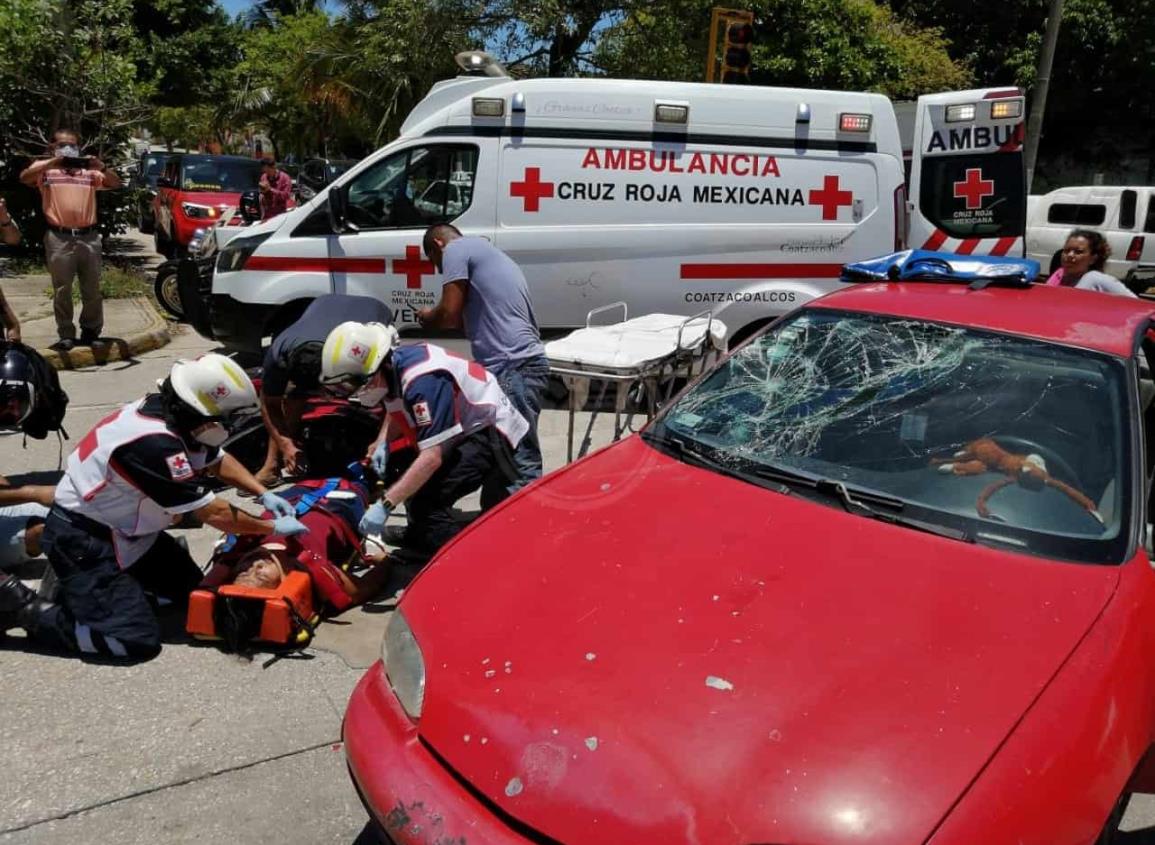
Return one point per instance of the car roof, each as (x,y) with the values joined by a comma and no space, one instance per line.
(1087,319)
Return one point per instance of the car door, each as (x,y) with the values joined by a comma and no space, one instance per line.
(391,203)
(967,179)
(166,189)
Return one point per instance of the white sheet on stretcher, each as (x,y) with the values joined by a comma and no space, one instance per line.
(632,344)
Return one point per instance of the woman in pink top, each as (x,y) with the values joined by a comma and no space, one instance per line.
(1083,258)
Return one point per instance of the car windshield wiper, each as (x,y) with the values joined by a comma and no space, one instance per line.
(693,452)
(861,502)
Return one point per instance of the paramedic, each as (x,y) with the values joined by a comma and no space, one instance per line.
(130,478)
(485,292)
(1084,256)
(294,357)
(466,427)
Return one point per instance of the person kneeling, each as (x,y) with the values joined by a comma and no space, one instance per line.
(130,478)
(466,427)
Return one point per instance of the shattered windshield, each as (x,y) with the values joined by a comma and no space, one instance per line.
(1013,442)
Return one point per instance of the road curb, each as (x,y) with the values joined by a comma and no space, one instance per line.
(155,335)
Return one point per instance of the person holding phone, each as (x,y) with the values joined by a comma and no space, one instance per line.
(68,183)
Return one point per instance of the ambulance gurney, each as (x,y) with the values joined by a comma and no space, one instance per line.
(275,590)
(646,354)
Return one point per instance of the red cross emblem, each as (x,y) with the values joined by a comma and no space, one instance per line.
(974,188)
(357,352)
(531,189)
(179,462)
(220,391)
(830,197)
(412,267)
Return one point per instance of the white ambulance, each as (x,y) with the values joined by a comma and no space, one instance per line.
(673,197)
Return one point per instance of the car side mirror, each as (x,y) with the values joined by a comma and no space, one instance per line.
(339,210)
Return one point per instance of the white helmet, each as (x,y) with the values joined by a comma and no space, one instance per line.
(213,385)
(355,351)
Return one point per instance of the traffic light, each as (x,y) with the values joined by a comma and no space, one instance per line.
(736,58)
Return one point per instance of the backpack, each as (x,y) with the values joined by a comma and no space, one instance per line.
(51,400)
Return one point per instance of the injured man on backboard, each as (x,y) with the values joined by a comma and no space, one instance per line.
(275,589)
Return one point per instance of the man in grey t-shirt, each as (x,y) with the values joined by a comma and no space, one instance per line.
(485,292)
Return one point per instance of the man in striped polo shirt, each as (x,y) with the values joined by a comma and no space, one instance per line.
(68,184)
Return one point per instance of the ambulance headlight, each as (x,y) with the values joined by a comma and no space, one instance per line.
(1004,109)
(960,114)
(237,251)
(404,665)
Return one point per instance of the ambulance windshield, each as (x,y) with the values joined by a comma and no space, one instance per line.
(1012,441)
(975,195)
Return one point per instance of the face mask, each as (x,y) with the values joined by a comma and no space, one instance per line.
(213,434)
(68,151)
(371,396)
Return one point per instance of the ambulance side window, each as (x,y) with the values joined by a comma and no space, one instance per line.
(414,188)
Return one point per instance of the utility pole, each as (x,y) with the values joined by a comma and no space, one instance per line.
(1042,82)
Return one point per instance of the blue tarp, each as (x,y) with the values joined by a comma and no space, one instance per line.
(924,265)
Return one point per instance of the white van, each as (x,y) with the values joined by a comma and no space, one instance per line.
(1124,215)
(673,197)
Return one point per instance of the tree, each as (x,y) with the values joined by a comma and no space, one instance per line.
(1101,114)
(189,46)
(69,63)
(852,45)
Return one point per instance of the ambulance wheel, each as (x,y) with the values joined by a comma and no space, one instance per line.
(1056,260)
(739,337)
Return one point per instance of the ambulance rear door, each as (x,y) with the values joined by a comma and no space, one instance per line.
(968,181)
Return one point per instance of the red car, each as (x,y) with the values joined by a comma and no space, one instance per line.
(194,192)
(878,577)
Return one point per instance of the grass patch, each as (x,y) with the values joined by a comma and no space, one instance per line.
(25,265)
(115,283)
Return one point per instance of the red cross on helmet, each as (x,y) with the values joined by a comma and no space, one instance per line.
(355,351)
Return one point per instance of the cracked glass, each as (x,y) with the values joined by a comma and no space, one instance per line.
(1010,441)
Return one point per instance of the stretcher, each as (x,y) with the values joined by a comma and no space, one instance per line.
(643,357)
(285,615)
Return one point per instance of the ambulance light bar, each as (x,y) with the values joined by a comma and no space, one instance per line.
(848,122)
(1001,109)
(961,113)
(488,107)
(666,112)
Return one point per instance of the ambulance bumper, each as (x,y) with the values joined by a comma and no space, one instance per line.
(236,324)
(412,798)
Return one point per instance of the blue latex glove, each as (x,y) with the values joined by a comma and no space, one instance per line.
(380,459)
(277,505)
(287,526)
(373,522)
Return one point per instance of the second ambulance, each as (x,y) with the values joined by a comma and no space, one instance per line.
(673,197)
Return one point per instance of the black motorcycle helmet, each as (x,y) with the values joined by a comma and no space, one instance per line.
(250,205)
(17,388)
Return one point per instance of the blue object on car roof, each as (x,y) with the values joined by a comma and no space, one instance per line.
(921,265)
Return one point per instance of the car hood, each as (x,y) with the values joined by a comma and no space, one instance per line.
(638,650)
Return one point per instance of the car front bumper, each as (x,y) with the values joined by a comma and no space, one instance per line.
(410,795)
